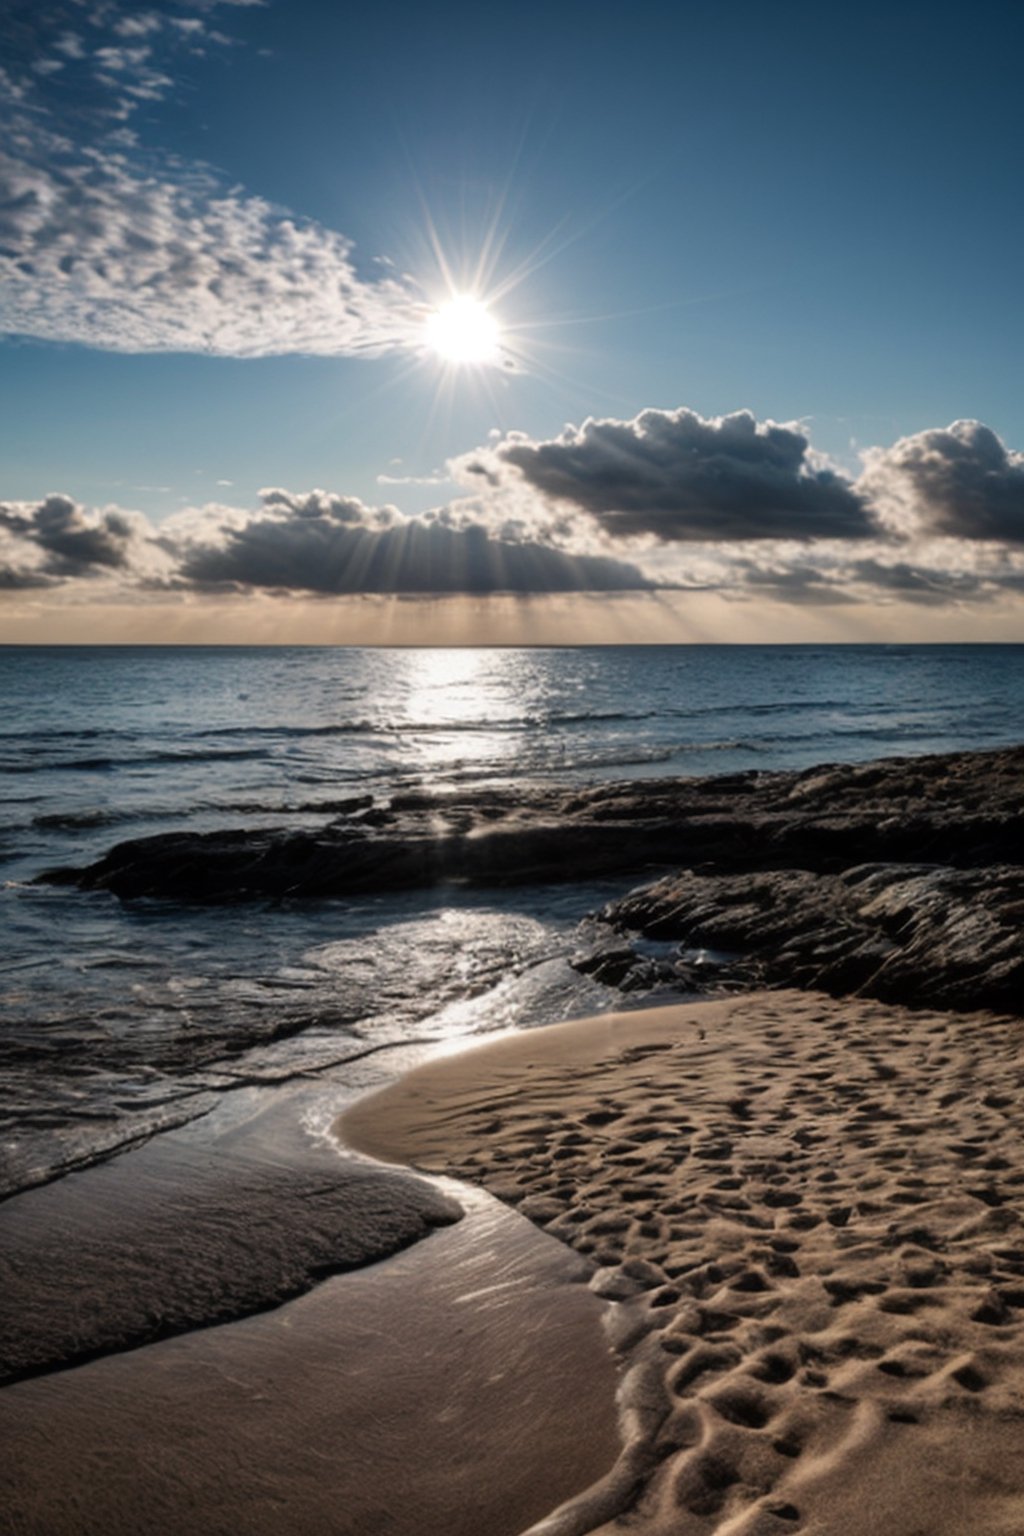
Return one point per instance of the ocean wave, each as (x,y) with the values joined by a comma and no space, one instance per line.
(367,726)
(743,707)
(59,733)
(335,728)
(537,767)
(108,764)
(72,821)
(717,746)
(586,716)
(832,736)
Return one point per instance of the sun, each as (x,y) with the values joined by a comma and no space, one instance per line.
(463,331)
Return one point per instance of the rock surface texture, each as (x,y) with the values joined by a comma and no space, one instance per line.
(900,879)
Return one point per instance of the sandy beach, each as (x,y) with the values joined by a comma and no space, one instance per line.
(807,1217)
(772,1280)
(722,1265)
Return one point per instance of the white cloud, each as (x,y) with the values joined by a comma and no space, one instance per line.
(97,251)
(141,24)
(104,245)
(71,46)
(384,479)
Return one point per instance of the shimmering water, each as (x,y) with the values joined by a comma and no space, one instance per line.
(113,1016)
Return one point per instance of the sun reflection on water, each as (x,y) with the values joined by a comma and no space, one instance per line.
(448,693)
(448,687)
(473,715)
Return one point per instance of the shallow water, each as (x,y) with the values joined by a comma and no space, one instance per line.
(117,1018)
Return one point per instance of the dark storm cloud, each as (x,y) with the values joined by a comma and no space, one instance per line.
(68,541)
(335,545)
(681,477)
(960,481)
(944,519)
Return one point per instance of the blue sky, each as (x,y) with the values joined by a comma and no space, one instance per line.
(810,214)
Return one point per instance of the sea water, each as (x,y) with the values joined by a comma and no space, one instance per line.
(118,1017)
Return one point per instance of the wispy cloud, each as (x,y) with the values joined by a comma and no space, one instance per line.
(384,479)
(117,56)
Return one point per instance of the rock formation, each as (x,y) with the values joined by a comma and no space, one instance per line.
(900,879)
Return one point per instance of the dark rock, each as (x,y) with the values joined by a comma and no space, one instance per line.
(900,879)
(965,810)
(905,934)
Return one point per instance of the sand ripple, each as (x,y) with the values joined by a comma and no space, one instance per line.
(810,1213)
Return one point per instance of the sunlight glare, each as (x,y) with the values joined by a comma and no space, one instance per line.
(447,687)
(463,331)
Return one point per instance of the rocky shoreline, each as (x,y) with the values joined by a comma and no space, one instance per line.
(901,879)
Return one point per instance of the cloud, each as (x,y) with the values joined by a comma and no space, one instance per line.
(95,252)
(506,539)
(106,245)
(929,584)
(385,479)
(961,481)
(795,584)
(21,567)
(335,545)
(56,539)
(116,56)
(681,477)
(874,579)
(313,543)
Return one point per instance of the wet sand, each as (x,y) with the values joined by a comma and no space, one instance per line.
(217,1220)
(810,1213)
(464,1385)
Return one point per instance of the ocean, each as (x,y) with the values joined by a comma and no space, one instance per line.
(119,1018)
